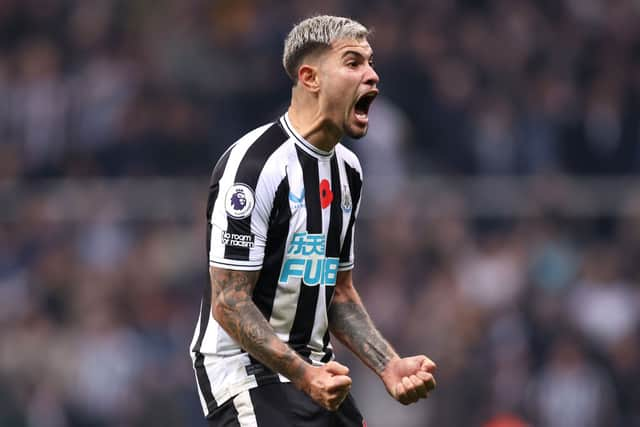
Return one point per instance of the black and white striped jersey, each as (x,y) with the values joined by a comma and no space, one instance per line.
(282,206)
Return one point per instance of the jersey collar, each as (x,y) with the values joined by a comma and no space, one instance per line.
(302,142)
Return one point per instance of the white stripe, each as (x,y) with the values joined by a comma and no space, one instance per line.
(345,266)
(235,265)
(210,339)
(246,413)
(228,375)
(320,321)
(283,379)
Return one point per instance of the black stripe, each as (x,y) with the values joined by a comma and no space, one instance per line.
(327,352)
(265,289)
(273,405)
(203,382)
(235,420)
(355,186)
(264,293)
(201,373)
(335,221)
(264,375)
(248,173)
(311,178)
(226,415)
(333,236)
(302,328)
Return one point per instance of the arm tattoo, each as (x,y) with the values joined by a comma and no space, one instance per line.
(236,312)
(351,324)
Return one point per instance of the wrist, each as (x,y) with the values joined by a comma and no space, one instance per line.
(386,371)
(301,374)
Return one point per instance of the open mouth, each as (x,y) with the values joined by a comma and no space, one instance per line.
(361,107)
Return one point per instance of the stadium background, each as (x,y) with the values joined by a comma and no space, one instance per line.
(500,235)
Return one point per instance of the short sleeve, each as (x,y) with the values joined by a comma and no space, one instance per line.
(239,217)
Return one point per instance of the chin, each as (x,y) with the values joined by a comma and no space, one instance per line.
(356,132)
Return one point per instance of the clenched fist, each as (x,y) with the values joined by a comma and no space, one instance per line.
(328,385)
(409,379)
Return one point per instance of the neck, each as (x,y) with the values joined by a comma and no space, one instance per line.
(314,126)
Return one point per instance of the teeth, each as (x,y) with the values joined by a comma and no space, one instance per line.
(361,110)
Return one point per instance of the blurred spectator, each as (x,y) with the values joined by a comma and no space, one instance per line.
(603,306)
(570,391)
(39,103)
(625,361)
(491,276)
(494,146)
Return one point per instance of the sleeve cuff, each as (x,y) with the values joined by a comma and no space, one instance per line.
(344,266)
(231,264)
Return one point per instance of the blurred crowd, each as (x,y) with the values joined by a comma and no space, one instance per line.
(532,319)
(129,87)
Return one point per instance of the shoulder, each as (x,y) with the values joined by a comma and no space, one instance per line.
(349,157)
(251,154)
(257,135)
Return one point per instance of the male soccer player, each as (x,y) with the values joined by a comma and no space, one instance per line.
(282,204)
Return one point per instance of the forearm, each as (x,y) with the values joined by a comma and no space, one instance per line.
(352,325)
(236,312)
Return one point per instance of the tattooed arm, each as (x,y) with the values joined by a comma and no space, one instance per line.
(406,379)
(351,324)
(235,311)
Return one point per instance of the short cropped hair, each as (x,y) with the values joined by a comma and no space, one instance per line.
(316,34)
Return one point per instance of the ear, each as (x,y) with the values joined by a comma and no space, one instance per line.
(308,77)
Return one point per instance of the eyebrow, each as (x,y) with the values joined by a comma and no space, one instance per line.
(356,53)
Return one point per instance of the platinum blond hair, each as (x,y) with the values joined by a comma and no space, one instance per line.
(314,35)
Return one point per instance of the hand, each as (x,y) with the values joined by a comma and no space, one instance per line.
(409,379)
(328,385)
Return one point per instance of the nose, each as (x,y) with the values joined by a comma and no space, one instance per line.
(372,77)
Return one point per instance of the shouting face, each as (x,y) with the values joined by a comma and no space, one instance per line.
(348,85)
